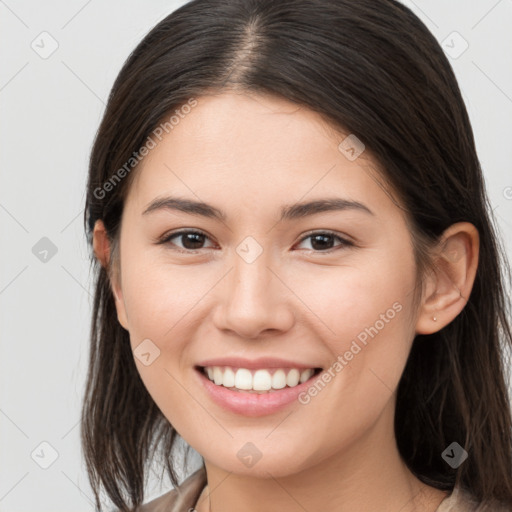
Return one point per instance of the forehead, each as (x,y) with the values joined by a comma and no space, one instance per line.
(257,149)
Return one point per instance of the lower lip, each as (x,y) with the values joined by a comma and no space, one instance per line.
(253,404)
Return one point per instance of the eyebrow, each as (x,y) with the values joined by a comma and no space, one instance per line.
(288,212)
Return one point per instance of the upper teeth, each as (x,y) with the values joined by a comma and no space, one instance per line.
(257,380)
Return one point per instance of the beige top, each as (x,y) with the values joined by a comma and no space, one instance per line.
(189,491)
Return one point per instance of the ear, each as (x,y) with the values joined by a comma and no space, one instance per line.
(101,246)
(450,283)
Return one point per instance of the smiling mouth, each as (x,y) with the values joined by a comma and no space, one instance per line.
(263,380)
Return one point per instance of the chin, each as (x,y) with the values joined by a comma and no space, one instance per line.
(277,463)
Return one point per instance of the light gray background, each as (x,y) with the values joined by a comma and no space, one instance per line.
(50,110)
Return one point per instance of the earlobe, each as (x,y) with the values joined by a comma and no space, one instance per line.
(120,306)
(449,285)
(101,246)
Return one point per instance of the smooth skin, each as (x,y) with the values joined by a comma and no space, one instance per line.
(249,155)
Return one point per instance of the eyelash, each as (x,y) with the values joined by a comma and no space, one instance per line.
(344,242)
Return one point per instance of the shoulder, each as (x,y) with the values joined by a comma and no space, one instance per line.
(462,500)
(181,499)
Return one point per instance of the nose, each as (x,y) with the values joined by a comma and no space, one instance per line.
(253,300)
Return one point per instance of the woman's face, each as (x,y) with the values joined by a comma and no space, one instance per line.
(256,284)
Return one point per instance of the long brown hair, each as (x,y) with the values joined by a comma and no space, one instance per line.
(370,67)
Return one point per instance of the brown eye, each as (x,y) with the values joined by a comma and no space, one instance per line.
(322,241)
(190,240)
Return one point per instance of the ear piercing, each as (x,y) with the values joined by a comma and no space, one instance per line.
(434,318)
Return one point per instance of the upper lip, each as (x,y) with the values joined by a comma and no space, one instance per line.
(260,362)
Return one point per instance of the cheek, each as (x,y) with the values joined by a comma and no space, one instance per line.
(364,320)
(160,303)
(346,300)
(363,314)
(159,297)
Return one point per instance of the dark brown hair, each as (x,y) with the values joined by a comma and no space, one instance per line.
(373,69)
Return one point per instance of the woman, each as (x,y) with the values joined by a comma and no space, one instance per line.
(297,270)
